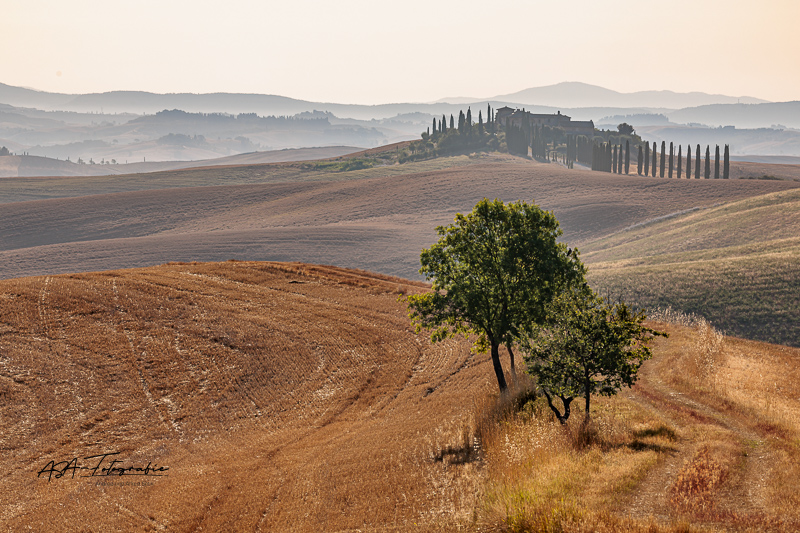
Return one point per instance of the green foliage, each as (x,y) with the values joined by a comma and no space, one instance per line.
(589,346)
(625,129)
(345,165)
(450,142)
(494,270)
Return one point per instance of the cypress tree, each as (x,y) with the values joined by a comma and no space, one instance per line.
(716,164)
(639,161)
(452,122)
(663,158)
(434,126)
(627,156)
(680,160)
(443,124)
(655,151)
(697,163)
(480,122)
(708,162)
(689,162)
(614,159)
(646,159)
(726,169)
(469,118)
(671,160)
(608,158)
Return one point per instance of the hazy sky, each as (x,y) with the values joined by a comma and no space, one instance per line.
(376,51)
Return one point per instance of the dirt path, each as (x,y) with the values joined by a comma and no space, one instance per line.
(699,424)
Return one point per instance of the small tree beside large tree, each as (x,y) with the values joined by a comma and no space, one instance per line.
(589,346)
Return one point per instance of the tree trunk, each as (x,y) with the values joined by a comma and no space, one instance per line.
(498,368)
(588,396)
(566,401)
(511,356)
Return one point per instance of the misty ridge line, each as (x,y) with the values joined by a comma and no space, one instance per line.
(134,127)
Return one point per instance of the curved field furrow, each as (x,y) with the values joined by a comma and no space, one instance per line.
(281,397)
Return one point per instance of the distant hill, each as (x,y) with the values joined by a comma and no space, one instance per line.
(33,166)
(576,94)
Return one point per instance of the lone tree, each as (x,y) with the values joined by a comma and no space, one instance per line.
(625,129)
(588,347)
(493,271)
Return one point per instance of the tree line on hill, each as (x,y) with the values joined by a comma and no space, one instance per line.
(605,151)
(450,138)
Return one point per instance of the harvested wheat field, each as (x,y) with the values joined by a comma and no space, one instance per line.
(281,397)
(291,397)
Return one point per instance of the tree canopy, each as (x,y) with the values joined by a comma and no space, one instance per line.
(625,129)
(494,271)
(590,346)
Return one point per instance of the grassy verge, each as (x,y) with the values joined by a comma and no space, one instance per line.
(708,440)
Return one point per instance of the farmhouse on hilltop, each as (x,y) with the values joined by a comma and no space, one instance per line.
(506,115)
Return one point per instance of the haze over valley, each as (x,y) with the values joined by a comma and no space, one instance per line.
(126,127)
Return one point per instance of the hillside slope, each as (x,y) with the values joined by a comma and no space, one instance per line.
(737,264)
(282,397)
(376,219)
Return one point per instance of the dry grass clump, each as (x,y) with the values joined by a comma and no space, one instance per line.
(694,489)
(707,354)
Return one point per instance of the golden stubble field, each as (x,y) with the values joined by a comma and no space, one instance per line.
(282,397)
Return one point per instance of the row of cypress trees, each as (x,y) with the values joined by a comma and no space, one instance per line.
(669,163)
(465,124)
(614,158)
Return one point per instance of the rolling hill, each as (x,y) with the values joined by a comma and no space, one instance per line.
(737,263)
(379,219)
(35,166)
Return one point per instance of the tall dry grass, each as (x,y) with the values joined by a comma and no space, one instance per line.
(542,476)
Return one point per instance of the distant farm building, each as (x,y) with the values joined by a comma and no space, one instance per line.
(516,117)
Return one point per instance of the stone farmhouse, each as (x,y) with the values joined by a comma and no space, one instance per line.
(506,115)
